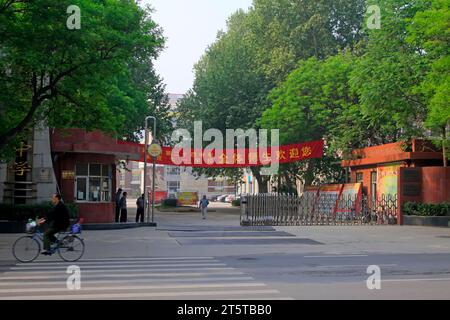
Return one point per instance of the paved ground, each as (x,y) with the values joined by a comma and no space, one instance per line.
(186,257)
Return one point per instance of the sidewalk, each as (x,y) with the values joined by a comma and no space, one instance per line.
(163,240)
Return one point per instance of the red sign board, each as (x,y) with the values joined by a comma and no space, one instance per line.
(159,196)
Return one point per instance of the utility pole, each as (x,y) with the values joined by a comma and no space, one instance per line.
(145,166)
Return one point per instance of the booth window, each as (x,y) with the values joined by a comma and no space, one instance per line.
(93,182)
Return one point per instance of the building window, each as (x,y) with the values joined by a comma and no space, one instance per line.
(173,186)
(173,170)
(80,190)
(93,182)
(359,177)
(122,179)
(373,183)
(136,177)
(221,186)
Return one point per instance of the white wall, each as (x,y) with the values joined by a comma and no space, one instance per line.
(189,183)
(43,174)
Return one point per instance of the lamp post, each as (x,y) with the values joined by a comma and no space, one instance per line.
(145,166)
(154,150)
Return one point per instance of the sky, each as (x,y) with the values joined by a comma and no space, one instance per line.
(189,26)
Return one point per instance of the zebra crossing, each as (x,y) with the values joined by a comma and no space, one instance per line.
(159,278)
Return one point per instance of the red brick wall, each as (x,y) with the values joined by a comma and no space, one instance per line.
(81,141)
(92,212)
(377,151)
(97,212)
(435,184)
(366,177)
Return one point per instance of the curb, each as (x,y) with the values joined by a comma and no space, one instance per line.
(443,221)
(19,227)
(12,227)
(116,226)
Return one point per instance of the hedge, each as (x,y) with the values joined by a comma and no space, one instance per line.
(23,212)
(236,203)
(426,209)
(169,202)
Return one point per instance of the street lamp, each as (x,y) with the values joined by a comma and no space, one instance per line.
(145,166)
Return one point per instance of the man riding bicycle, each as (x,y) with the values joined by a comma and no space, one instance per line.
(57,219)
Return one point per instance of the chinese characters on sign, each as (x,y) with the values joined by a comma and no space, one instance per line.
(20,168)
(21,165)
(68,175)
(22,148)
(243,157)
(306,152)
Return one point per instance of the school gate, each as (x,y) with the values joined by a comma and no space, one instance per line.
(312,209)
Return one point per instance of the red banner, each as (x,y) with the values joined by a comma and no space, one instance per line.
(159,196)
(238,157)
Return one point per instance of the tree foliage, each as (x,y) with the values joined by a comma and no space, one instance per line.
(430,31)
(257,52)
(98,77)
(387,73)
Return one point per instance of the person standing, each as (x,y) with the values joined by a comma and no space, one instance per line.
(117,199)
(140,203)
(203,205)
(123,208)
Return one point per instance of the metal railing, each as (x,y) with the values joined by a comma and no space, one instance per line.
(310,209)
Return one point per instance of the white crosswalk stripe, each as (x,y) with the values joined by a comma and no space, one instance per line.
(203,278)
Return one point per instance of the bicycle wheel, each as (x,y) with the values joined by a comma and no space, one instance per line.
(71,248)
(26,249)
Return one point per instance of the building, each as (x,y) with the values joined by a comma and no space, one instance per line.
(129,178)
(85,165)
(409,173)
(173,100)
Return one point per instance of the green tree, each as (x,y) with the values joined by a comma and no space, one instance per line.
(387,73)
(285,32)
(430,32)
(258,50)
(316,102)
(97,77)
(227,89)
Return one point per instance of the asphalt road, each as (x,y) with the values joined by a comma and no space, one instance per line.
(186,257)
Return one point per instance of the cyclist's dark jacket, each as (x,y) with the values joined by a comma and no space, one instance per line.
(59,217)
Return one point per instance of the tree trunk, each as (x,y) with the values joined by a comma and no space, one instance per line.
(444,151)
(309,175)
(262,182)
(279,184)
(11,134)
(289,183)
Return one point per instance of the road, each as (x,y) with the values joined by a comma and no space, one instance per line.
(186,257)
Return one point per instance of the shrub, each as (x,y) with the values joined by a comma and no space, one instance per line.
(236,203)
(426,209)
(169,202)
(23,212)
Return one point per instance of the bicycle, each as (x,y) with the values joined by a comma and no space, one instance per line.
(69,246)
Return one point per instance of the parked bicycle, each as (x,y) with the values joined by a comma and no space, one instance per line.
(69,245)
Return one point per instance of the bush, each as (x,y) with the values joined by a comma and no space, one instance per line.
(426,209)
(169,202)
(236,203)
(23,212)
